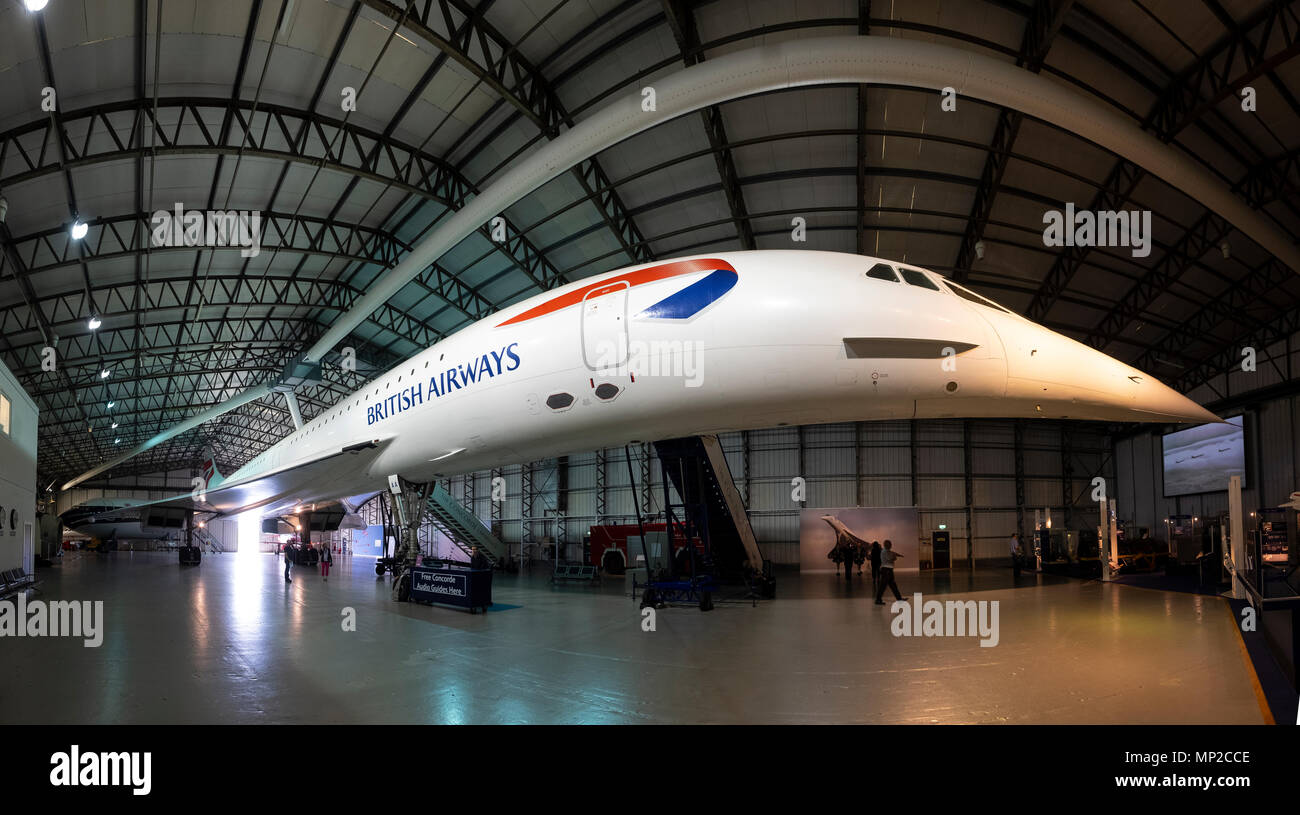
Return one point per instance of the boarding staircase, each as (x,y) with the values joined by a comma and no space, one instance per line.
(462,527)
(698,470)
(205,541)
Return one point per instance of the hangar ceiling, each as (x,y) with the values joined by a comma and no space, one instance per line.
(242,105)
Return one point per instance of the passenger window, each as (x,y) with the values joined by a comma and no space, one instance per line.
(882,271)
(915,278)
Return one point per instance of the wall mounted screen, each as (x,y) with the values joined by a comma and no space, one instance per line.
(1201,458)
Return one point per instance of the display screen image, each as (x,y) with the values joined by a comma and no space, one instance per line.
(1201,458)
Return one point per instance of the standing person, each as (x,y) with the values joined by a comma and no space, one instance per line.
(887,558)
(326,558)
(1015,553)
(288,559)
(846,554)
(875,562)
(478,560)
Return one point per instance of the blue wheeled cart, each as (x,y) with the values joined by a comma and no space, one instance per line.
(469,589)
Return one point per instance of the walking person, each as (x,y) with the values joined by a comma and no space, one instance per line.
(1016,554)
(875,563)
(326,558)
(887,558)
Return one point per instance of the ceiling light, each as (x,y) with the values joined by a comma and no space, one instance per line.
(79,229)
(117,441)
(114,427)
(104,373)
(35,5)
(94,323)
(110,405)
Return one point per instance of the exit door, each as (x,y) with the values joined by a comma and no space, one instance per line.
(942,542)
(604,327)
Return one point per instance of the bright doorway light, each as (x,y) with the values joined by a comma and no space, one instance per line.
(249,532)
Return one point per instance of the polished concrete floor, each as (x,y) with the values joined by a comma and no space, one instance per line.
(230,642)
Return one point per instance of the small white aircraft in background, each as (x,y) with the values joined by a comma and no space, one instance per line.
(699,345)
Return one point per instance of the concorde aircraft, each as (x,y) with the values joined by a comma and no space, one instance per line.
(696,345)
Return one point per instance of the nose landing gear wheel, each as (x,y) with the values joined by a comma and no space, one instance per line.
(402,588)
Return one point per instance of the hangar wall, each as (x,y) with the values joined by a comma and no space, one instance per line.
(933,465)
(18,415)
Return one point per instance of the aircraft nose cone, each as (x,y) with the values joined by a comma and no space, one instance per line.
(1067,379)
(1163,401)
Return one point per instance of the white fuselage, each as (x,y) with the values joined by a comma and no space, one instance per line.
(788,338)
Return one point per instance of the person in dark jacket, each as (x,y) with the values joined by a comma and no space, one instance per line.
(846,557)
(887,558)
(875,562)
(478,560)
(326,558)
(288,559)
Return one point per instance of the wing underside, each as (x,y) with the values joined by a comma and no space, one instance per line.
(330,476)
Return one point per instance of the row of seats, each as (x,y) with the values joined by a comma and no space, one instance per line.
(13,581)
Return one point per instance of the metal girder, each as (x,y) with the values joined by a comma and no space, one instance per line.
(188,126)
(1233,61)
(1045,20)
(681,20)
(1203,235)
(145,396)
(219,328)
(125,235)
(864,28)
(459,31)
(1258,288)
(184,125)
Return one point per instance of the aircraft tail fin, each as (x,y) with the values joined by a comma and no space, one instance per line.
(212,477)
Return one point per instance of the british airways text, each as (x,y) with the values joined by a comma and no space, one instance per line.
(491,364)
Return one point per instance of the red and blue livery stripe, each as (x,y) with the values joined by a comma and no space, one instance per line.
(681,305)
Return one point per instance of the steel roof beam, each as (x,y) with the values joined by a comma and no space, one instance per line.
(1196,88)
(681,21)
(1044,22)
(500,66)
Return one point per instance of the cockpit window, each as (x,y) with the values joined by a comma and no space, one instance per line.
(882,271)
(966,294)
(914,278)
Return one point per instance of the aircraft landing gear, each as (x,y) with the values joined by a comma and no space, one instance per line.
(402,587)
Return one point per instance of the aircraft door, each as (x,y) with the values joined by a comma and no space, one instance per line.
(605,328)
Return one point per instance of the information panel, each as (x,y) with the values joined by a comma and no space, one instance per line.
(465,588)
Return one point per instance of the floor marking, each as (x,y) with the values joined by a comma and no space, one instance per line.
(1250,666)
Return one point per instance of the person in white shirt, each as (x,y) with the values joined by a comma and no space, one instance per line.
(887,558)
